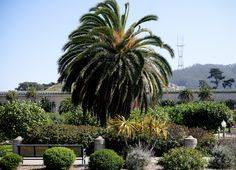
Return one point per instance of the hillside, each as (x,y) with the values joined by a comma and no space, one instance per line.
(190,76)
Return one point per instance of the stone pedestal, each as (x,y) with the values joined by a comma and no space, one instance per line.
(190,142)
(16,141)
(99,143)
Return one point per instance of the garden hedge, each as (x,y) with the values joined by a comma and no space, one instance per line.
(207,115)
(18,117)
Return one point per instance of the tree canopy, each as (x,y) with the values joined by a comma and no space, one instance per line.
(24,86)
(228,83)
(107,66)
(216,74)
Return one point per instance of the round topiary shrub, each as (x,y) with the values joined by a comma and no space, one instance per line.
(105,159)
(18,117)
(10,161)
(183,158)
(58,158)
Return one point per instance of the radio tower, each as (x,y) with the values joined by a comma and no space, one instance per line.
(180,46)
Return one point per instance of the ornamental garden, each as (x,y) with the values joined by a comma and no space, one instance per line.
(116,75)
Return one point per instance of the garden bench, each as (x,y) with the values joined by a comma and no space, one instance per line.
(35,151)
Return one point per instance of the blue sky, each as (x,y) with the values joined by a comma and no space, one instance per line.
(32,33)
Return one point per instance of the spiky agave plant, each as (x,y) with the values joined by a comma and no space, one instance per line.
(107,67)
(150,126)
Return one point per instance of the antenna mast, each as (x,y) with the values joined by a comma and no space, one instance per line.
(180,46)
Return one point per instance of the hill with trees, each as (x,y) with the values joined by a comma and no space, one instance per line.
(190,76)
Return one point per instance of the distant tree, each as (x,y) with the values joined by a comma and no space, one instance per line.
(25,86)
(186,95)
(205,92)
(47,105)
(216,74)
(31,93)
(228,83)
(203,83)
(46,86)
(11,96)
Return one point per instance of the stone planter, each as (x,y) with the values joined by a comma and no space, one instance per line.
(190,142)
(99,143)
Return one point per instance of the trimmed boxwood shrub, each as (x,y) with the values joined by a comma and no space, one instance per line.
(10,161)
(184,159)
(58,158)
(18,117)
(207,115)
(105,159)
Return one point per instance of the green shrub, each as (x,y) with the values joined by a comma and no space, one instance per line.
(10,161)
(18,117)
(56,118)
(223,158)
(67,106)
(230,103)
(138,158)
(156,111)
(61,134)
(73,115)
(3,151)
(175,138)
(31,93)
(11,96)
(183,159)
(186,95)
(117,143)
(78,118)
(47,105)
(164,145)
(167,102)
(105,159)
(178,132)
(205,93)
(58,158)
(207,115)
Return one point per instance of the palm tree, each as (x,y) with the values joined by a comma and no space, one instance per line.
(107,67)
(11,96)
(186,95)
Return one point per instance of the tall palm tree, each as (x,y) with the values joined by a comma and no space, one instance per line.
(107,67)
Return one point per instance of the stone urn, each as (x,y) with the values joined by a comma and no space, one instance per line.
(190,142)
(99,143)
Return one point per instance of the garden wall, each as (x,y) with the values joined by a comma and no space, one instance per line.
(57,97)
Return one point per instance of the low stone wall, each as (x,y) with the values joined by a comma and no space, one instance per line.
(218,95)
(57,97)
